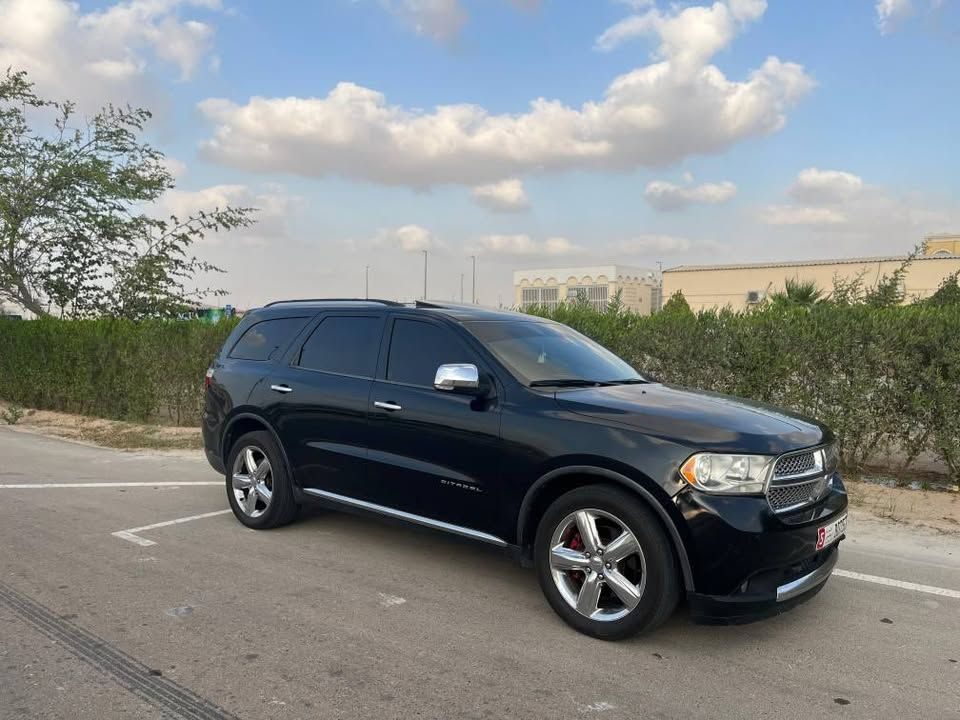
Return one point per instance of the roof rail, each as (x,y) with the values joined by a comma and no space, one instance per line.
(392,303)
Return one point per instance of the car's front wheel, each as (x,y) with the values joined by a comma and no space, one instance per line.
(605,564)
(258,487)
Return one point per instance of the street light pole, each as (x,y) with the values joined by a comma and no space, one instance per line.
(366,278)
(474,290)
(461,288)
(424,275)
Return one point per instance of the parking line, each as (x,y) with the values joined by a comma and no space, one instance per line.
(130,534)
(42,486)
(903,584)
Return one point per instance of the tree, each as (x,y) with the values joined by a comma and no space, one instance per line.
(798,293)
(75,233)
(677,303)
(947,294)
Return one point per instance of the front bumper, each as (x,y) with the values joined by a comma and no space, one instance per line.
(749,562)
(750,606)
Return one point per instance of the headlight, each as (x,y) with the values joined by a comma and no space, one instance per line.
(728,474)
(831,457)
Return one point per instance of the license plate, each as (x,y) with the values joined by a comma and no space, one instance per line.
(828,534)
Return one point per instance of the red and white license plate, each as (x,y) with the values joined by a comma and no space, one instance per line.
(830,533)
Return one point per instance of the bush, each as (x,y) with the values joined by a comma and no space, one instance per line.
(880,377)
(149,371)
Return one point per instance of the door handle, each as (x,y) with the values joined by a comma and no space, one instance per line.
(391,406)
(281,388)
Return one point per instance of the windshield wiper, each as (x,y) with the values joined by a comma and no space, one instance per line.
(568,382)
(629,381)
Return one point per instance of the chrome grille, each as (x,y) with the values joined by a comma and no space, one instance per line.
(795,464)
(795,495)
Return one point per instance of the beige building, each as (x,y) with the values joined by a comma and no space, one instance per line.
(945,244)
(740,286)
(598,283)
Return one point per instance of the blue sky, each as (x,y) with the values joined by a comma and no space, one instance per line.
(369,130)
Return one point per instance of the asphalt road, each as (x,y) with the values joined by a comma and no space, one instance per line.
(339,616)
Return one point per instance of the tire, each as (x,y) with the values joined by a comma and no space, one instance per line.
(259,512)
(651,571)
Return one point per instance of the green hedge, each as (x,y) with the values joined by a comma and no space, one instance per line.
(880,377)
(148,371)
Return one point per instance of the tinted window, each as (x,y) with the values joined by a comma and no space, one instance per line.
(345,345)
(539,352)
(417,349)
(265,339)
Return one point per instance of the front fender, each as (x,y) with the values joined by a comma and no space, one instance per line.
(653,496)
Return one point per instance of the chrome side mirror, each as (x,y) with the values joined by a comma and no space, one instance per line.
(458,376)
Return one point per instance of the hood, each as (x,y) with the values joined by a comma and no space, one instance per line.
(700,420)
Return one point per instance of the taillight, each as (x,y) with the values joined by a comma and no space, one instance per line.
(208,378)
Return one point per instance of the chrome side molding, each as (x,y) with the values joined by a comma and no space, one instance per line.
(409,517)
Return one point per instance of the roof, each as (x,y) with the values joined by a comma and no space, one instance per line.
(474,312)
(806,263)
(459,312)
(562,273)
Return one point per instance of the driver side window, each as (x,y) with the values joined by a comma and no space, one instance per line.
(418,348)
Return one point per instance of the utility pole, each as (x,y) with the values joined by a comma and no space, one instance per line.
(461,288)
(366,277)
(424,275)
(474,299)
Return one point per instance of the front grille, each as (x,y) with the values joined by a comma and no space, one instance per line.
(798,480)
(796,495)
(795,464)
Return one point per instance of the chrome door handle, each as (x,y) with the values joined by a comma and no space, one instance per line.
(281,388)
(392,407)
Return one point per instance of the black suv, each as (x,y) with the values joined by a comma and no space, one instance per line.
(622,492)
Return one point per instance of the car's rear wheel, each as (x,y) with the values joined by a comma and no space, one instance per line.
(258,486)
(605,564)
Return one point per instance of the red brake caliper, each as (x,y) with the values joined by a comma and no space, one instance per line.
(576,543)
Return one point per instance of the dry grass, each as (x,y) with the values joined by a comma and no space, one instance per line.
(109,433)
(935,509)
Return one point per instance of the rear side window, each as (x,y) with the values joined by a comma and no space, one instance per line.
(417,349)
(345,345)
(266,339)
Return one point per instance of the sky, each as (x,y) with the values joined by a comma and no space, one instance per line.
(526,133)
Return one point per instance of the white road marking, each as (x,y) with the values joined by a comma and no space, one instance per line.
(391,600)
(131,533)
(916,587)
(601,706)
(42,486)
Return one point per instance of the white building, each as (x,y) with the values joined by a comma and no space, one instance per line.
(640,291)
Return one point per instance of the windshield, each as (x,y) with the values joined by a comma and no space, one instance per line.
(540,353)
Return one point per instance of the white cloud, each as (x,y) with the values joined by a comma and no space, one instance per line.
(644,244)
(664,195)
(105,54)
(504,196)
(825,187)
(891,12)
(273,207)
(650,116)
(408,238)
(439,20)
(801,215)
(653,246)
(522,245)
(689,36)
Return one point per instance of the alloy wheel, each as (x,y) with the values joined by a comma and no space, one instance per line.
(597,564)
(252,481)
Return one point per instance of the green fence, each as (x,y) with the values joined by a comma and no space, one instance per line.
(880,378)
(147,371)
